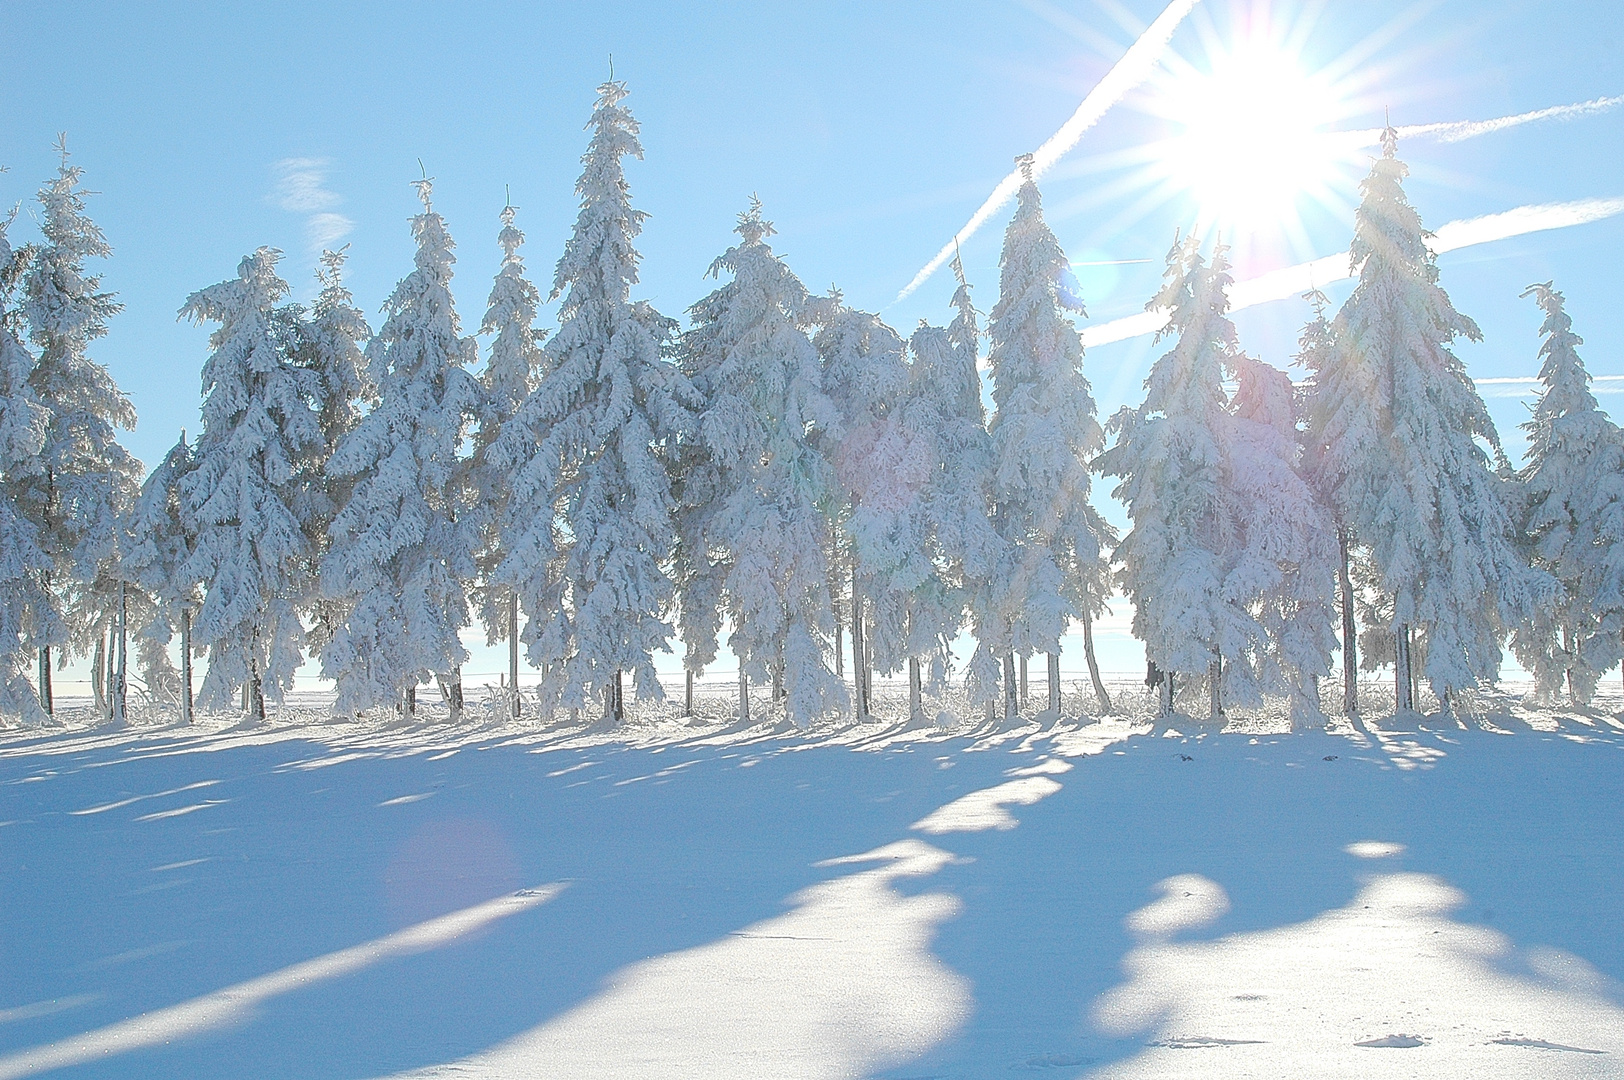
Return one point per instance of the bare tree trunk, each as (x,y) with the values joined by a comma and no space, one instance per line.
(840,647)
(778,680)
(1026,699)
(1094,667)
(409,708)
(1012,705)
(916,703)
(98,675)
(256,693)
(688,695)
(744,695)
(1402,701)
(1350,638)
(513,653)
(1054,684)
(186,665)
(120,684)
(620,697)
(1215,679)
(857,644)
(1167,693)
(46,701)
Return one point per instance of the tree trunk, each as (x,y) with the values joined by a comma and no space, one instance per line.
(1054,684)
(1026,698)
(1215,679)
(120,680)
(1167,692)
(620,697)
(1012,705)
(840,648)
(916,703)
(455,693)
(744,695)
(186,665)
(1094,667)
(256,694)
(409,708)
(112,665)
(688,695)
(857,649)
(45,695)
(1350,638)
(778,680)
(513,653)
(1402,701)
(98,676)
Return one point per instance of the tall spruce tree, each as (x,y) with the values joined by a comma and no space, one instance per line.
(586,450)
(28,617)
(249,551)
(1171,455)
(402,554)
(1044,433)
(1419,490)
(1573,482)
(765,537)
(512,367)
(87,482)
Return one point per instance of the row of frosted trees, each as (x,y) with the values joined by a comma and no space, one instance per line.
(793,470)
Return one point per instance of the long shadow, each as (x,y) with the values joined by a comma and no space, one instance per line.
(300,862)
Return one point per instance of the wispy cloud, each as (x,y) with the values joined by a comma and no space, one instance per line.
(301,188)
(1135,66)
(1294,280)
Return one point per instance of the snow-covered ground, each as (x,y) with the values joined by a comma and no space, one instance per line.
(317,899)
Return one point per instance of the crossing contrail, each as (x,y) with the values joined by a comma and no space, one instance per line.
(1461,130)
(1134,67)
(1294,280)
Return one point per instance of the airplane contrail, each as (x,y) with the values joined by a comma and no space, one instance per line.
(1294,280)
(1134,67)
(1461,130)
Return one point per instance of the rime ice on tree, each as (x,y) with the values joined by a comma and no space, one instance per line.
(402,550)
(1573,505)
(585,452)
(249,551)
(1044,433)
(759,376)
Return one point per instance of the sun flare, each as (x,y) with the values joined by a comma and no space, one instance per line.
(1251,137)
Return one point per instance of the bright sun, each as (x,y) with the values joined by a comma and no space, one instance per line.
(1251,138)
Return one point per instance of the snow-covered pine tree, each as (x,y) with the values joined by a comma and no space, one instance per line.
(402,553)
(765,412)
(86,482)
(1044,433)
(1340,423)
(330,339)
(27,614)
(512,367)
(865,377)
(587,448)
(1426,503)
(1573,481)
(158,549)
(1283,565)
(1171,455)
(248,551)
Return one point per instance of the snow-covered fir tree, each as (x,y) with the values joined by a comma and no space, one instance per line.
(1339,427)
(951,517)
(28,617)
(1426,502)
(1171,455)
(1283,563)
(329,343)
(512,366)
(87,482)
(158,550)
(876,467)
(401,559)
(249,551)
(1044,433)
(584,449)
(766,534)
(1573,483)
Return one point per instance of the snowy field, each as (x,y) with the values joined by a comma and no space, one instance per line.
(323,900)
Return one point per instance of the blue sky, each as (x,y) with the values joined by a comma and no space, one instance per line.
(871,131)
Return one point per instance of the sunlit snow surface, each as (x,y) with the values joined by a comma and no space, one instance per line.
(322,899)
